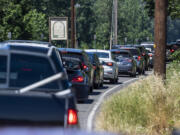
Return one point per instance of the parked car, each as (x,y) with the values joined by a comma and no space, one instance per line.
(99,70)
(138,58)
(126,63)
(86,64)
(78,78)
(34,89)
(110,66)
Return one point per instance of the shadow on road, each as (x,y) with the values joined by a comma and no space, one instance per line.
(95,93)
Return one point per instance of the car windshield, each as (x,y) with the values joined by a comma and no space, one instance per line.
(3,69)
(26,70)
(102,54)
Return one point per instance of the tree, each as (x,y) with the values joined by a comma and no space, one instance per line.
(173,8)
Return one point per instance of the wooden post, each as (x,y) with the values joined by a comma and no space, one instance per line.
(160,37)
(72,25)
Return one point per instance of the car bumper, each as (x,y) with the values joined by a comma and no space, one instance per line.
(81,91)
(108,74)
(125,69)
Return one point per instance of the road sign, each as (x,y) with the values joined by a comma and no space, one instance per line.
(58,28)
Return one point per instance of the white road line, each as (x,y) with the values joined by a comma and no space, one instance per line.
(98,103)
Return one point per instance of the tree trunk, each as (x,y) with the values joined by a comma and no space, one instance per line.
(160,37)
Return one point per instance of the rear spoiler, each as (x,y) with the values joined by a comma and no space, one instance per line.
(44,82)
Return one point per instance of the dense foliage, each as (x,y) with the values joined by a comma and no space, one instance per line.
(173,8)
(28,19)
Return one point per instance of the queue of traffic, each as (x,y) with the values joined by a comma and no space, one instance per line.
(41,84)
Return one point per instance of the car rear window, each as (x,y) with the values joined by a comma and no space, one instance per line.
(102,54)
(26,70)
(71,64)
(120,54)
(149,47)
(91,57)
(134,51)
(71,54)
(3,69)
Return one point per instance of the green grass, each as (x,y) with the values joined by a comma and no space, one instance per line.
(145,107)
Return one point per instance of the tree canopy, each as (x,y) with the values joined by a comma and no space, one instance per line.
(28,20)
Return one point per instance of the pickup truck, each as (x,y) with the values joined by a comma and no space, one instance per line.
(34,89)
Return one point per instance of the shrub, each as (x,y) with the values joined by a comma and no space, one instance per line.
(145,107)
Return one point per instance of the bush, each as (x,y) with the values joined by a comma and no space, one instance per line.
(145,107)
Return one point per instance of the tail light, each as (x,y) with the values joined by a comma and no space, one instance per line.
(94,67)
(109,64)
(172,50)
(78,79)
(72,118)
(139,57)
(84,66)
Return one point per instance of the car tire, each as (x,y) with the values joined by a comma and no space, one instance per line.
(91,89)
(101,85)
(113,81)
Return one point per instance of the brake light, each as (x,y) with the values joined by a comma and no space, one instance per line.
(84,66)
(64,52)
(78,79)
(172,50)
(26,69)
(139,57)
(72,118)
(109,64)
(94,67)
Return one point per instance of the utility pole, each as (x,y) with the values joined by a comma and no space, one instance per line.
(113,37)
(115,22)
(160,37)
(72,24)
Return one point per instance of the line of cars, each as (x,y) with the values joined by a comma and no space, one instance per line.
(40,84)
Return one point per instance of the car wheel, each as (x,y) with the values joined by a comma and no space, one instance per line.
(101,85)
(143,72)
(91,89)
(113,81)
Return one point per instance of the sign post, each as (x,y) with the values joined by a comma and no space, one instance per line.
(58,28)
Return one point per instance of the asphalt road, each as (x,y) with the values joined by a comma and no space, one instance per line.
(88,110)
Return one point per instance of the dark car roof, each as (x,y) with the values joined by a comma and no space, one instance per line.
(71,50)
(30,47)
(119,50)
(29,41)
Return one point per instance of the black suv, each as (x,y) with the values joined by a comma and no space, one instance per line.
(34,89)
(86,64)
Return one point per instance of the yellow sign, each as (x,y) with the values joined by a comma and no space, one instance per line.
(154,45)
